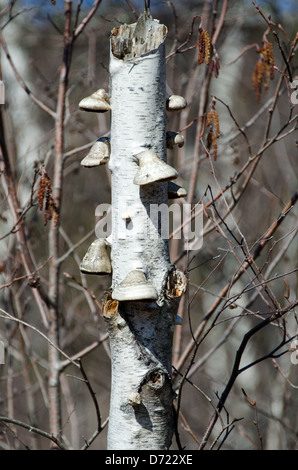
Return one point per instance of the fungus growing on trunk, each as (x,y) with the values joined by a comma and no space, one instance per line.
(99,153)
(96,260)
(174,138)
(135,287)
(176,103)
(152,169)
(175,191)
(98,102)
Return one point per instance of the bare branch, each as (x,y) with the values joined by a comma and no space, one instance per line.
(7,316)
(236,367)
(86,20)
(58,442)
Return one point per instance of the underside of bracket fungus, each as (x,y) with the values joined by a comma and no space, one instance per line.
(98,102)
(96,260)
(99,153)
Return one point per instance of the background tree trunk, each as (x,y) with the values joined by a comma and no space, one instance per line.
(141,332)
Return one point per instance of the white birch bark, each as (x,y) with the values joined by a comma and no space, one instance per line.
(141,409)
(138,99)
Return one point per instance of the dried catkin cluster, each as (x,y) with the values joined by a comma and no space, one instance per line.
(214,131)
(45,199)
(204,47)
(264,69)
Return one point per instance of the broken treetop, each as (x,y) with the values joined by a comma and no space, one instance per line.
(135,40)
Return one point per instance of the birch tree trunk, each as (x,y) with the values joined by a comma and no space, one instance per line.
(140,330)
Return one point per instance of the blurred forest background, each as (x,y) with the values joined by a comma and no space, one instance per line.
(245,181)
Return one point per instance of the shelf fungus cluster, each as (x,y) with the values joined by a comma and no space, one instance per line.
(145,162)
(140,308)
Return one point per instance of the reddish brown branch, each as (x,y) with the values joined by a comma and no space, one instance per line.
(54,385)
(87,18)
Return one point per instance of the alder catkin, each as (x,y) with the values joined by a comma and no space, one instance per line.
(264,69)
(207,47)
(201,57)
(212,122)
(204,48)
(45,199)
(40,193)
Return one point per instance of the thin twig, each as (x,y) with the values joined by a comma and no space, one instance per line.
(7,316)
(83,352)
(277,366)
(26,276)
(93,395)
(236,370)
(100,426)
(55,440)
(257,251)
(132,9)
(87,18)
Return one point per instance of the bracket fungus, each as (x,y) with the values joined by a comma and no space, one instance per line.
(152,169)
(176,103)
(134,287)
(98,102)
(142,302)
(99,153)
(175,191)
(174,138)
(96,260)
